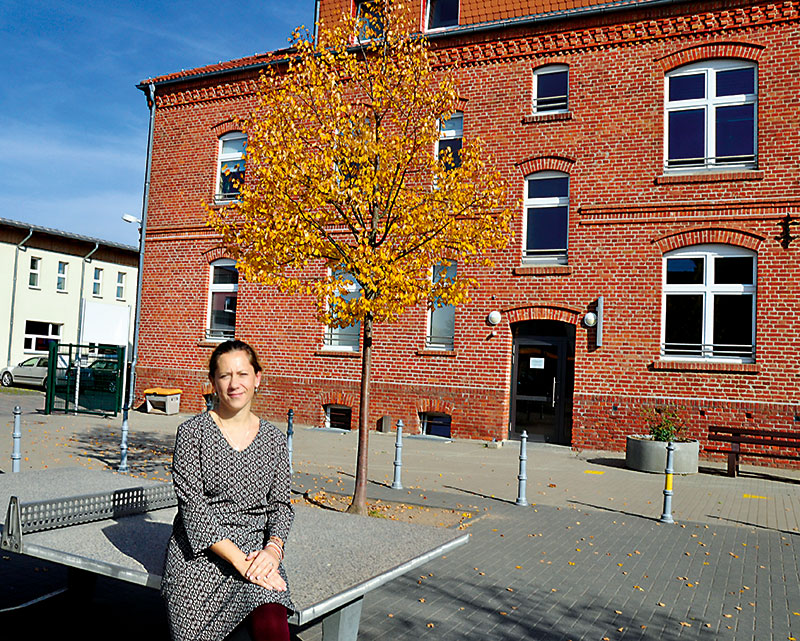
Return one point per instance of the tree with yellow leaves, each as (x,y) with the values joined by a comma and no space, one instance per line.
(346,199)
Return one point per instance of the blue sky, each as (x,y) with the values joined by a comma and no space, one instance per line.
(74,125)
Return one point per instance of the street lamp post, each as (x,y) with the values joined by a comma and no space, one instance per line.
(129,398)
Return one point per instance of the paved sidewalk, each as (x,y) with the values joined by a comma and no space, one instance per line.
(586,560)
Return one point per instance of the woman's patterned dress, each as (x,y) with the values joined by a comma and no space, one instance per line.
(222,493)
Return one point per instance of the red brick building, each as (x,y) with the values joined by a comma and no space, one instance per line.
(655,146)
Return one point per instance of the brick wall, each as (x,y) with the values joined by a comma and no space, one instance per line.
(624,214)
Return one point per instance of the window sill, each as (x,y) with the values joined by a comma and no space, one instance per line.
(338,353)
(710,177)
(427,351)
(546,117)
(705,366)
(38,289)
(542,270)
(210,343)
(62,291)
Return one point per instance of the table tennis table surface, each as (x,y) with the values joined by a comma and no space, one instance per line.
(331,559)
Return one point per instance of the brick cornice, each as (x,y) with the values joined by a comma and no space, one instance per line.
(699,24)
(672,211)
(554,45)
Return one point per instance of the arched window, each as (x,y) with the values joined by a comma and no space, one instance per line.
(230,168)
(710,118)
(546,203)
(551,89)
(709,303)
(223,292)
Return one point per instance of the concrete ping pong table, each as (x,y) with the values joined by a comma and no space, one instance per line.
(116,525)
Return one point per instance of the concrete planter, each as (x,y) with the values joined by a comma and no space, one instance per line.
(646,455)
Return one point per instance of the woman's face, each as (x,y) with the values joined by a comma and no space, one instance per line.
(235,380)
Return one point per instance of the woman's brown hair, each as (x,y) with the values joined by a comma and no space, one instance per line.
(232,346)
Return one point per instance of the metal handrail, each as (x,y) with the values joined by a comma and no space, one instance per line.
(708,350)
(712,161)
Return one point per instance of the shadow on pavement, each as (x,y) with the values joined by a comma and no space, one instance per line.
(149,453)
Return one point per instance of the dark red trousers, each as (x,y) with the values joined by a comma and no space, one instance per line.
(267,622)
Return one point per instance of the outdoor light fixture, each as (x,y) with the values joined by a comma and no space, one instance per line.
(493,318)
(129,218)
(590,319)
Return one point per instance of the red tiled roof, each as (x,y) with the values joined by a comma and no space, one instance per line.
(482,11)
(256,60)
(473,12)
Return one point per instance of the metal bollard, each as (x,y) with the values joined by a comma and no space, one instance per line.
(123,446)
(289,436)
(666,517)
(523,477)
(16,435)
(397,483)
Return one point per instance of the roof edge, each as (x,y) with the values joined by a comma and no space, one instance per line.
(66,234)
(612,6)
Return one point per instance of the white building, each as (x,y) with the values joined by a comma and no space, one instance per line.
(55,285)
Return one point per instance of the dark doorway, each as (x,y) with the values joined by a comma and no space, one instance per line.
(543,375)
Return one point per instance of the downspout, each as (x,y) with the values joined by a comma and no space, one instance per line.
(14,295)
(151,103)
(316,20)
(80,297)
(129,400)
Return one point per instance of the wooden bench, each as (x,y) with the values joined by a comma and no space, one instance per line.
(738,436)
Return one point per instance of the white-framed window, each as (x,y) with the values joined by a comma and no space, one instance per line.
(97,282)
(442,13)
(709,303)
(34,272)
(368,12)
(231,165)
(346,339)
(223,291)
(120,285)
(545,224)
(451,135)
(442,318)
(61,276)
(711,115)
(551,89)
(39,335)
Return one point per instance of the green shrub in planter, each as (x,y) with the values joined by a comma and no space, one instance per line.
(664,423)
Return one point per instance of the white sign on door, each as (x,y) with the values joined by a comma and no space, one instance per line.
(537,363)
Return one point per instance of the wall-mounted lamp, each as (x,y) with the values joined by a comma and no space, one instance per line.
(590,319)
(493,318)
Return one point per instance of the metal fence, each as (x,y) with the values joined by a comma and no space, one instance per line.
(86,379)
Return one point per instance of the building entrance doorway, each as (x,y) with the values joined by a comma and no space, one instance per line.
(542,381)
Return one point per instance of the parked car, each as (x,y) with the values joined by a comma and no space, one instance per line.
(100,375)
(31,371)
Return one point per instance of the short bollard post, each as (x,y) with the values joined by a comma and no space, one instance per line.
(16,435)
(397,483)
(123,445)
(290,436)
(666,517)
(523,476)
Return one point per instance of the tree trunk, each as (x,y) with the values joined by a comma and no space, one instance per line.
(359,504)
